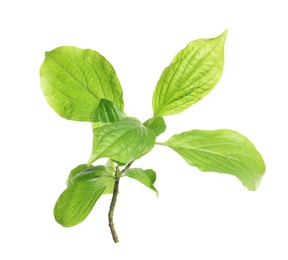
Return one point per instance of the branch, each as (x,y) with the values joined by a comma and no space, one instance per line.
(114,199)
(111,211)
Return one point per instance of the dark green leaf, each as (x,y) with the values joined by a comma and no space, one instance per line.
(75,80)
(192,74)
(89,174)
(74,172)
(119,163)
(146,177)
(223,151)
(107,112)
(94,173)
(156,124)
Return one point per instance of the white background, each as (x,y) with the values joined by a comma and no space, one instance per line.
(198,215)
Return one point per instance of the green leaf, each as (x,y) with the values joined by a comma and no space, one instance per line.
(119,163)
(77,201)
(146,177)
(75,80)
(98,124)
(110,166)
(89,174)
(107,112)
(156,124)
(123,141)
(94,173)
(192,74)
(110,187)
(223,151)
(74,172)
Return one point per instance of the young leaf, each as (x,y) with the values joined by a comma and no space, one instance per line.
(77,201)
(146,177)
(223,151)
(110,167)
(89,174)
(123,141)
(75,80)
(107,112)
(156,124)
(192,74)
(93,173)
(74,172)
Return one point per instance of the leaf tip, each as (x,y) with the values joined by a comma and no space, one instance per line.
(47,53)
(253,185)
(225,32)
(221,39)
(223,35)
(157,194)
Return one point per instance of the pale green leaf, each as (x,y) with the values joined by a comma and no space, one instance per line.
(107,112)
(192,74)
(123,141)
(110,166)
(75,80)
(223,151)
(110,187)
(156,124)
(77,201)
(146,177)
